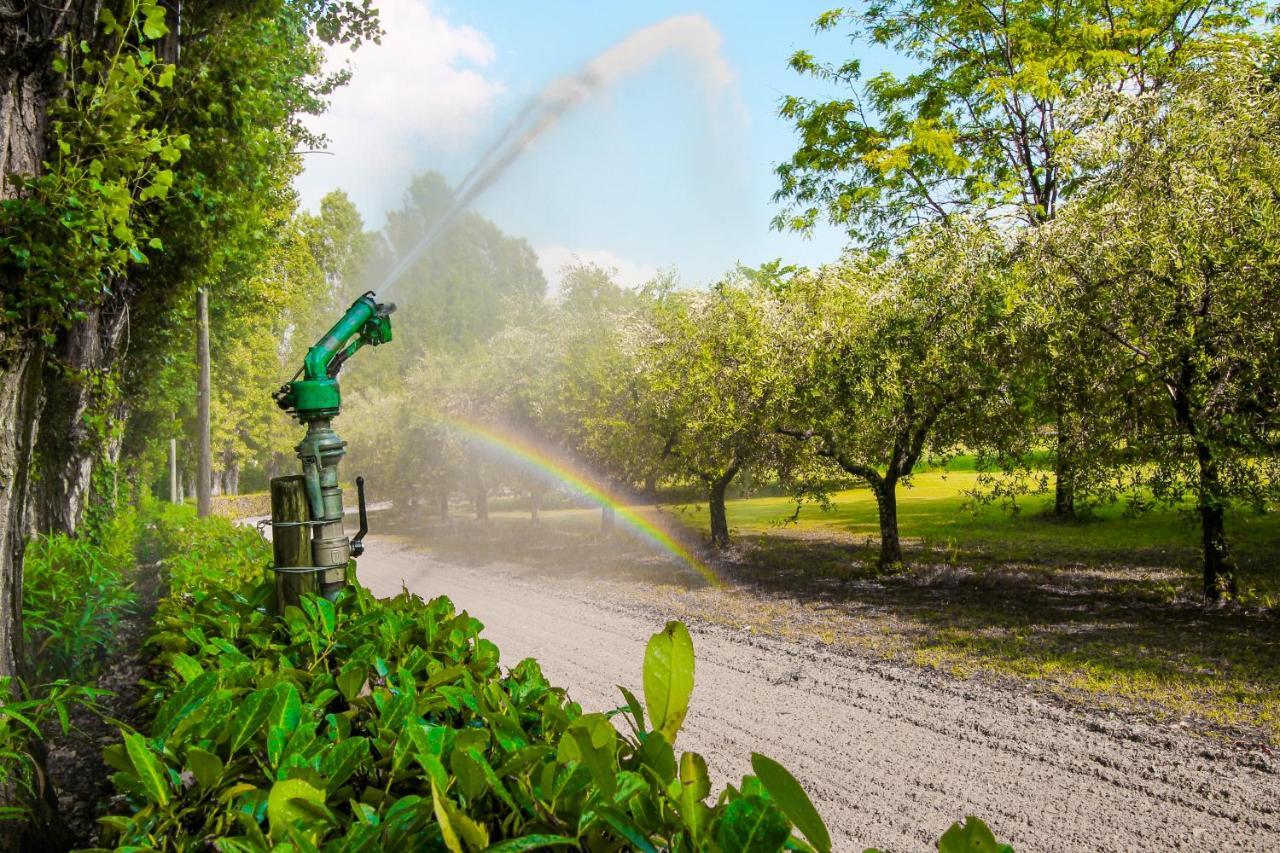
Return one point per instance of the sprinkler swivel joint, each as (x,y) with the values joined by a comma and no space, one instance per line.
(366,323)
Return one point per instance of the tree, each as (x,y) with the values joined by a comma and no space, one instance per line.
(898,356)
(979,126)
(717,371)
(118,198)
(598,408)
(1170,264)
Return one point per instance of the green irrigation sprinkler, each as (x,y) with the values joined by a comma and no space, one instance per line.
(313,501)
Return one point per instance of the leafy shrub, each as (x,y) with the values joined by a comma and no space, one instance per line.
(204,553)
(24,720)
(372,724)
(75,592)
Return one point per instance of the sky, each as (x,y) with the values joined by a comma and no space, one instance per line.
(670,167)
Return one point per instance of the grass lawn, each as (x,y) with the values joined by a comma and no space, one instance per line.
(937,525)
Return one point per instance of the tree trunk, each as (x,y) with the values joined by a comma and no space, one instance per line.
(1219,569)
(607,518)
(651,489)
(886,492)
(21,398)
(444,506)
(26,83)
(715,502)
(1064,492)
(535,499)
(204,479)
(67,449)
(173,471)
(482,504)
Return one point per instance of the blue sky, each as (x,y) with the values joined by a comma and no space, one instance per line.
(671,167)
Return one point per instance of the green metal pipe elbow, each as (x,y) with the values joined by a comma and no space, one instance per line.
(316,364)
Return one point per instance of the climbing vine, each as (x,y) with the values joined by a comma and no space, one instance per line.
(70,231)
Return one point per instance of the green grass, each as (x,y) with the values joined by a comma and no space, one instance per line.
(938,524)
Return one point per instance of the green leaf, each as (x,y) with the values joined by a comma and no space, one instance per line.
(633,705)
(972,837)
(153,26)
(794,802)
(287,710)
(592,740)
(206,767)
(249,719)
(187,667)
(285,715)
(328,615)
(624,826)
(656,754)
(694,776)
(668,678)
(282,810)
(531,842)
(752,825)
(455,826)
(495,784)
(351,681)
(342,759)
(149,770)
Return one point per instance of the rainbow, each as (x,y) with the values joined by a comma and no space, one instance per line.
(538,459)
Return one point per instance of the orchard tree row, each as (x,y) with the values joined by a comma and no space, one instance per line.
(1130,339)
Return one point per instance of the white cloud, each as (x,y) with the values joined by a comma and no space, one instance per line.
(424,86)
(553,259)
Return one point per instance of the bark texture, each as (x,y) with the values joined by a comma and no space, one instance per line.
(20,400)
(67,448)
(1219,569)
(717,488)
(886,492)
(1064,493)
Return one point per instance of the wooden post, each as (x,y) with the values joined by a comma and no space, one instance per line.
(291,545)
(174,498)
(204,478)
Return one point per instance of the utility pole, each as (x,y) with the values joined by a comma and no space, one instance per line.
(173,472)
(204,479)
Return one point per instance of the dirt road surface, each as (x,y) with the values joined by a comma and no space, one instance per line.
(890,754)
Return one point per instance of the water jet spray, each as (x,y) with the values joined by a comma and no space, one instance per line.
(312,503)
(314,398)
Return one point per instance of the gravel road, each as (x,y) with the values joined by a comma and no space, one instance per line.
(890,754)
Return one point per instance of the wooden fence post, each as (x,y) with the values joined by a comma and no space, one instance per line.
(291,544)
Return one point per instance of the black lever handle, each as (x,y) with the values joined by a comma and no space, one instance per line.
(357,543)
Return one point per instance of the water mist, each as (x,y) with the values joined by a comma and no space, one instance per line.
(692,35)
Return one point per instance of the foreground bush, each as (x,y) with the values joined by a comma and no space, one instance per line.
(389,725)
(75,592)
